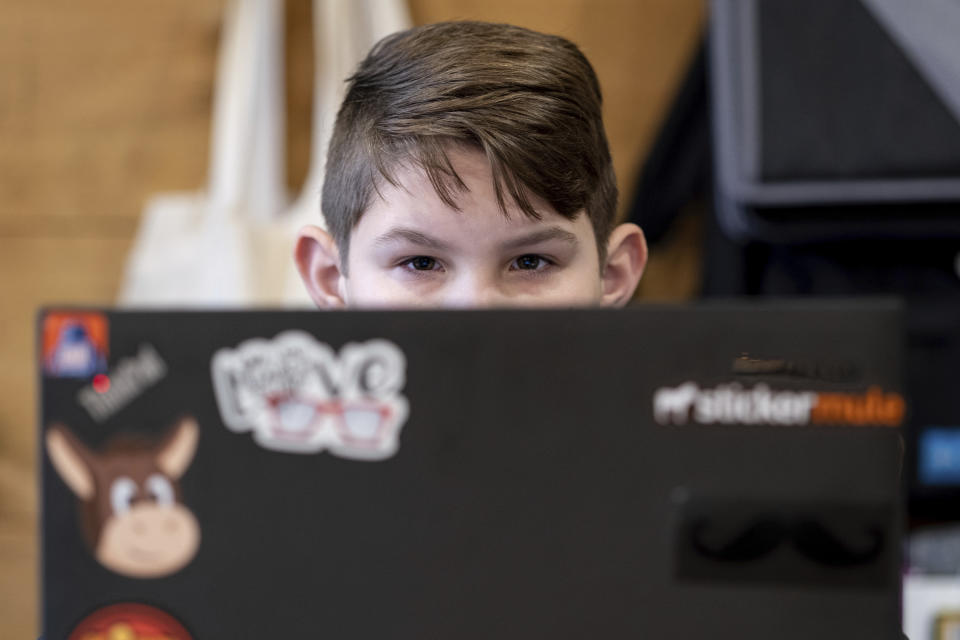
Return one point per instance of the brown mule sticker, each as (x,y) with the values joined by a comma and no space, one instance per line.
(132,512)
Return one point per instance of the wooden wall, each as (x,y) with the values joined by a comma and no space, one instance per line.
(104,102)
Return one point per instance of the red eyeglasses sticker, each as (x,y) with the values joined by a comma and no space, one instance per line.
(129,621)
(296,395)
(75,344)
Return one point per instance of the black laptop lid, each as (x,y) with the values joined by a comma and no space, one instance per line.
(654,472)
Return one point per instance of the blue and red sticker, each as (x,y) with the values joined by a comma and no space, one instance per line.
(75,345)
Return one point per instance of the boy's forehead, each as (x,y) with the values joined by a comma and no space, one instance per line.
(415,200)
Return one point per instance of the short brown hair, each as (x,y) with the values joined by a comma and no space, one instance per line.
(529,101)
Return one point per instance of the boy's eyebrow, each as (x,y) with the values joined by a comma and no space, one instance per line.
(411,235)
(419,238)
(542,235)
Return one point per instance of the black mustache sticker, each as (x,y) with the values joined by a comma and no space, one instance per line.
(810,538)
(842,545)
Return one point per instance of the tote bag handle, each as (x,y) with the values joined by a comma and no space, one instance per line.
(246,149)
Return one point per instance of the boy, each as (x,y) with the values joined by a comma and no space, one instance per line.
(469,167)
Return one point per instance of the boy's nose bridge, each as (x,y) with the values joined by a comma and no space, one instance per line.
(475,290)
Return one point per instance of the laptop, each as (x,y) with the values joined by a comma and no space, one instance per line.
(656,471)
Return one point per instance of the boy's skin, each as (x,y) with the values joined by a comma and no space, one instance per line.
(409,249)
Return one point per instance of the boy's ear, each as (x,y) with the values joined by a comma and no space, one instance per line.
(318,261)
(626,258)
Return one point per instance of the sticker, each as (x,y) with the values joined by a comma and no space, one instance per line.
(129,621)
(826,544)
(837,371)
(734,404)
(296,395)
(939,456)
(131,509)
(106,395)
(75,345)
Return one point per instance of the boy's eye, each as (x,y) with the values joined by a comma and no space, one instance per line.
(530,262)
(422,263)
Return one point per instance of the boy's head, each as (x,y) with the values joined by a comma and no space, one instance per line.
(469,167)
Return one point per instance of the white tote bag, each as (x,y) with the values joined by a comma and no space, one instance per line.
(194,249)
(232,244)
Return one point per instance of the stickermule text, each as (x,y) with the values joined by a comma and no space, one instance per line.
(735,404)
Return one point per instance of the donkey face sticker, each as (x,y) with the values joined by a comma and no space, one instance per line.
(131,509)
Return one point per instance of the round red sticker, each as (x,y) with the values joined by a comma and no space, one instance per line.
(129,621)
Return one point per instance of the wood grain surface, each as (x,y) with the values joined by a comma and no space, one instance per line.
(104,102)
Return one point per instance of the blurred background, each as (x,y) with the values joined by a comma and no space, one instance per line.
(768,148)
(104,103)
